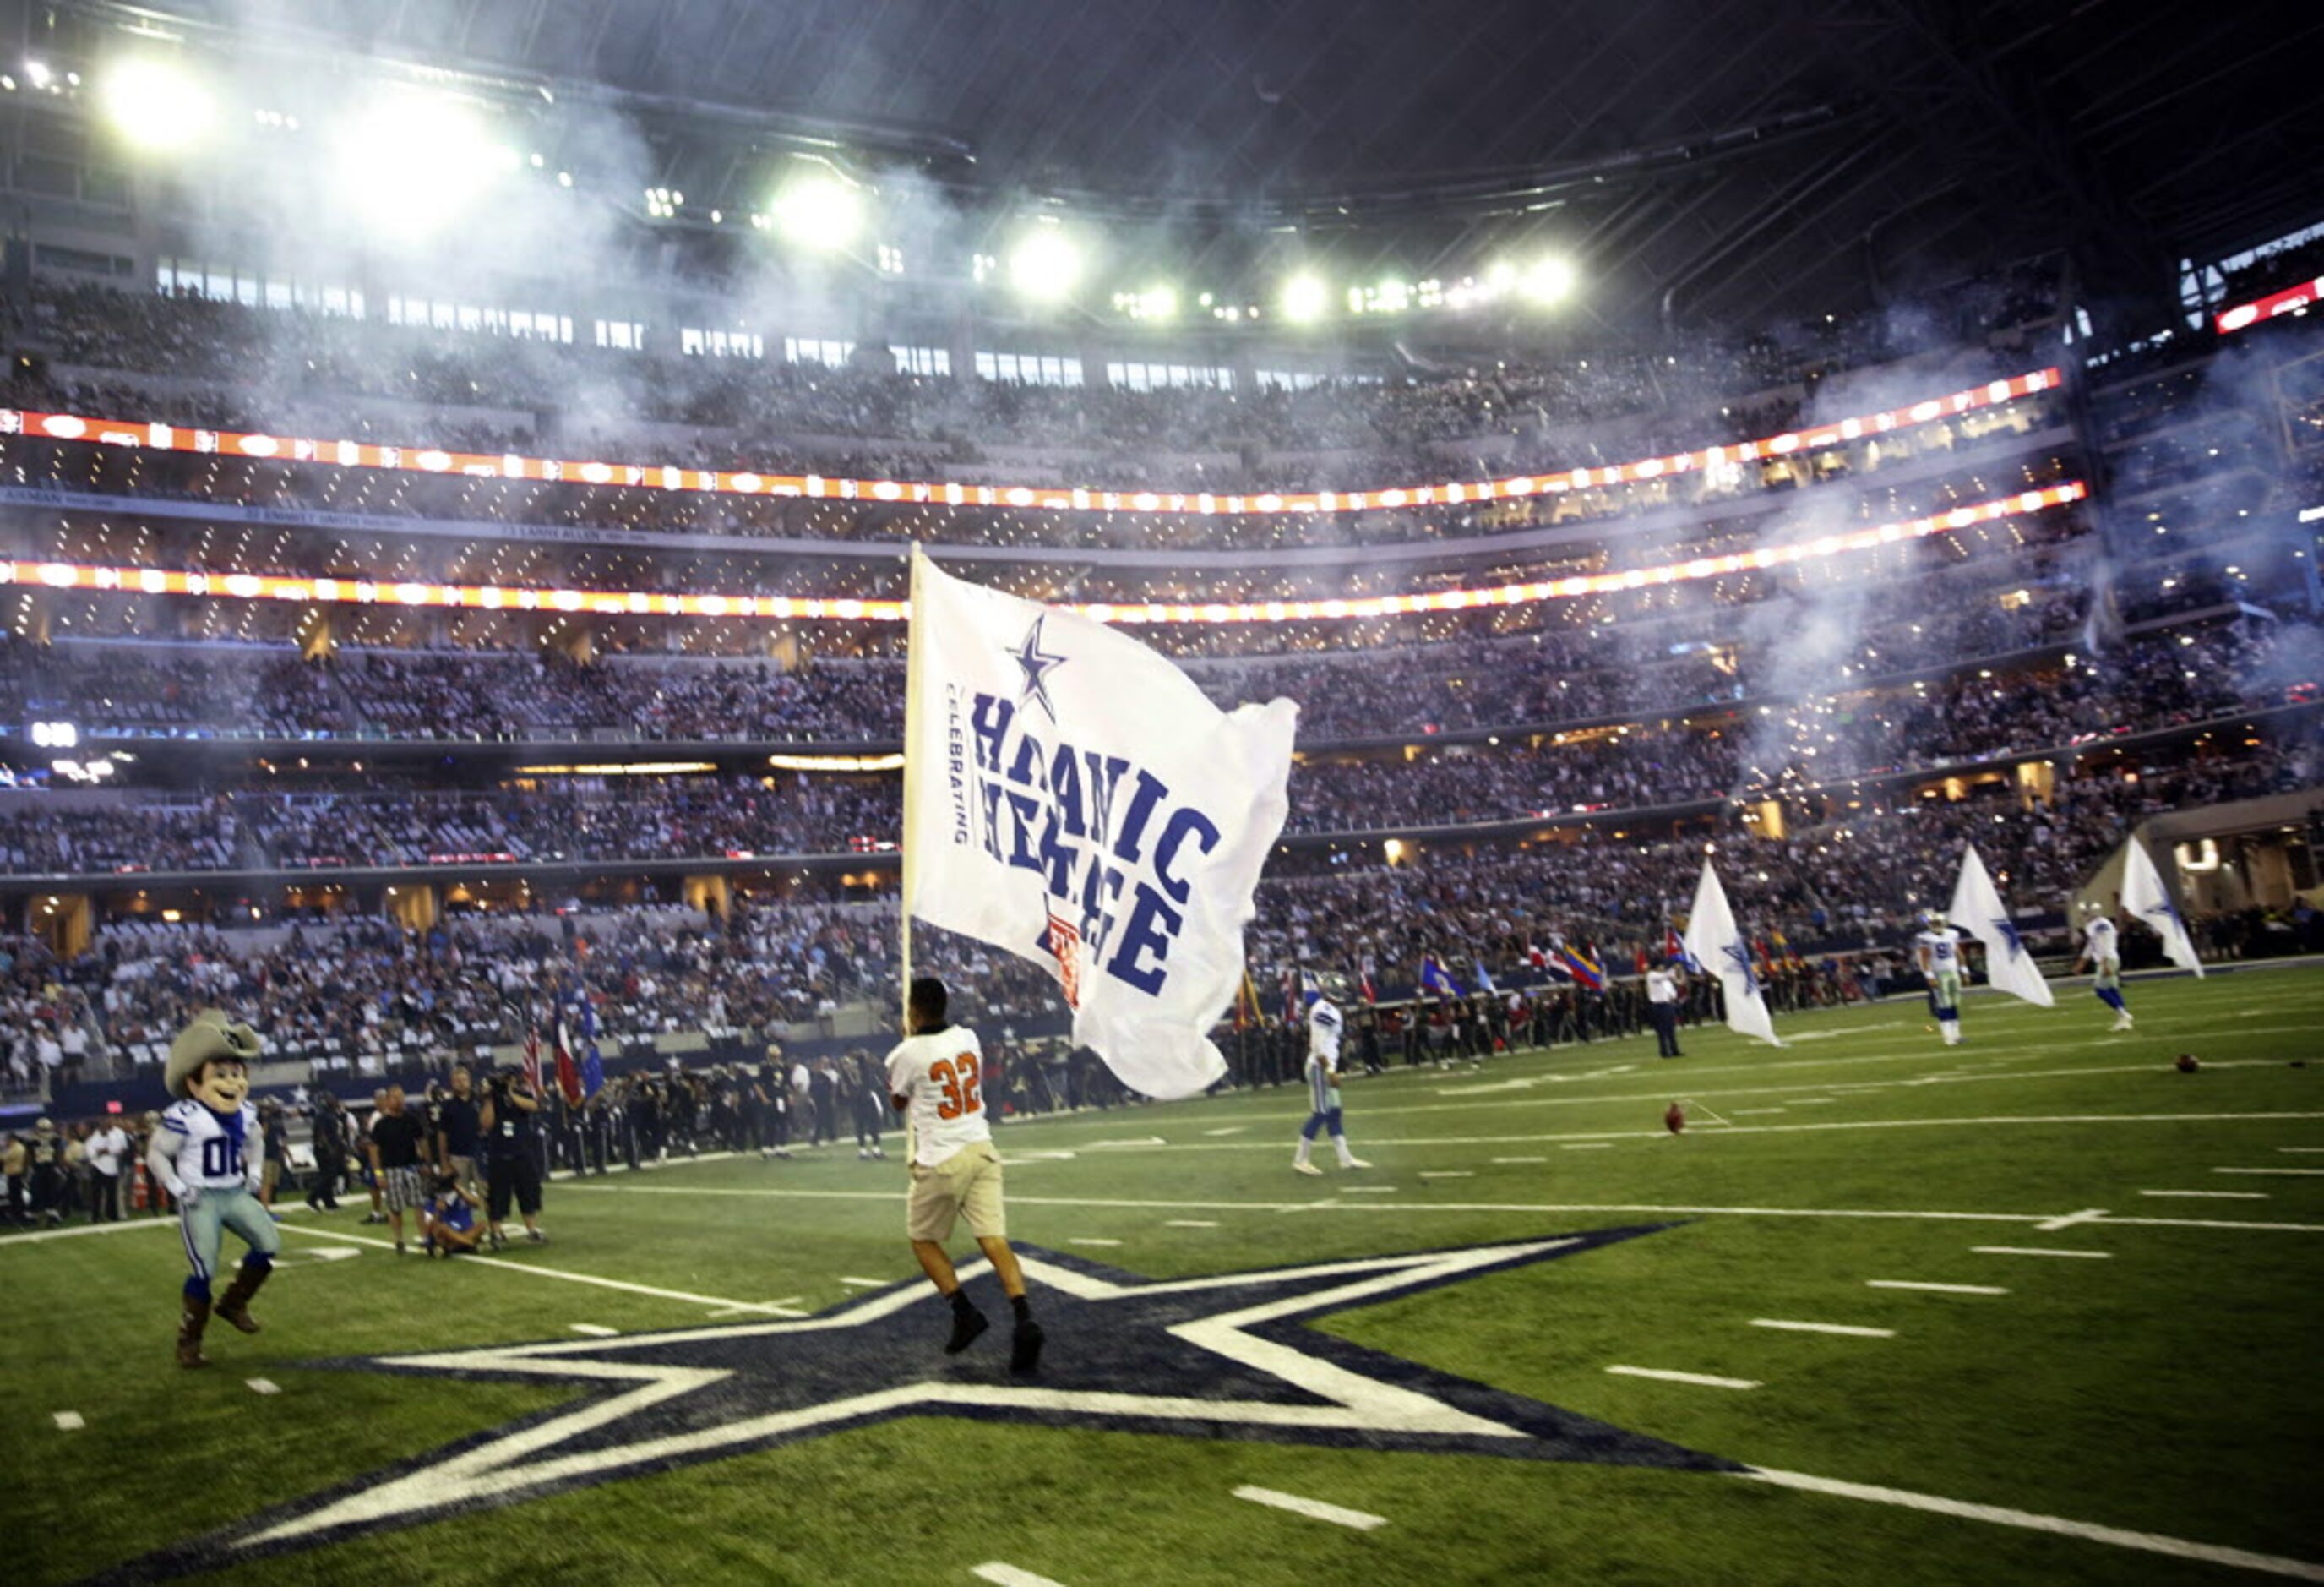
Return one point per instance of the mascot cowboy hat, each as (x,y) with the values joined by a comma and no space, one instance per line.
(211,1036)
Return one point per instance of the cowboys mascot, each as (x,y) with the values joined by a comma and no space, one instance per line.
(207,1152)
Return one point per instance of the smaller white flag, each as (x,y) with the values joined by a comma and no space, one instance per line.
(1715,942)
(2144,896)
(1977,908)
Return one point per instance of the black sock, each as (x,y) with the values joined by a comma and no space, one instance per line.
(1022,1307)
(959,1298)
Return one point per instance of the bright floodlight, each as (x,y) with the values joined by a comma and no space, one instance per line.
(1046,264)
(156,105)
(819,211)
(1548,280)
(410,161)
(1304,299)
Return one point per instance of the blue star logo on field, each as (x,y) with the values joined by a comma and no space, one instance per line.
(2009,935)
(1037,665)
(1226,1355)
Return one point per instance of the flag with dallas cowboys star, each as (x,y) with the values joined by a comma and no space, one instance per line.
(1715,942)
(1071,797)
(2144,896)
(1978,909)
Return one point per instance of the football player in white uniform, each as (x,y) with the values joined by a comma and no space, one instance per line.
(2102,951)
(1938,949)
(206,1153)
(1325,1027)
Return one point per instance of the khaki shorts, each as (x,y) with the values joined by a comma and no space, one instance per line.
(966,1184)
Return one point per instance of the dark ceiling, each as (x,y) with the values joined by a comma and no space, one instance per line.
(1865,142)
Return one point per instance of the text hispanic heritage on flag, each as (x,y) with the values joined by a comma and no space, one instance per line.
(1071,798)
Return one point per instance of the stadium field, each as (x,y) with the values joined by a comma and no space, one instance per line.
(2048,1310)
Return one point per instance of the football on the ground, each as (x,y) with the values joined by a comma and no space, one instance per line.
(1675,1120)
(2189,1063)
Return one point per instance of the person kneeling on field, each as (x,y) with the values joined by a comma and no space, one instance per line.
(933,1078)
(207,1154)
(448,1218)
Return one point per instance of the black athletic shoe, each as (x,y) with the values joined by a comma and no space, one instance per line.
(1025,1348)
(967,1322)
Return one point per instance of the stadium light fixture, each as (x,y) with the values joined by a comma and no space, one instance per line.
(1304,299)
(1045,265)
(1548,280)
(156,105)
(410,162)
(819,210)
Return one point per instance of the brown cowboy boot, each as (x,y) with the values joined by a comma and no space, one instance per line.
(234,1305)
(191,1324)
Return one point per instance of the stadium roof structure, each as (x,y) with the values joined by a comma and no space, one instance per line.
(1709,161)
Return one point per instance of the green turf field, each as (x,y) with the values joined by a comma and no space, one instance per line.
(2146,1414)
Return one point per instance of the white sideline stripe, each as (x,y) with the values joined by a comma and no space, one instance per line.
(1313,1508)
(1659,1208)
(1994,1515)
(69,1422)
(865,1283)
(1934,1288)
(504,1265)
(1520,1159)
(1091,1239)
(261,1386)
(1008,1575)
(595,1330)
(1747,1113)
(1190,1223)
(2280,1173)
(1850,1329)
(2300,1148)
(1704,1380)
(75,1230)
(1586,1145)
(1360,1190)
(1812,1101)
(2035,1251)
(2211,1195)
(1446,1174)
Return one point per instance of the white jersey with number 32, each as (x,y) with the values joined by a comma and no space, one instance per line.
(941,1077)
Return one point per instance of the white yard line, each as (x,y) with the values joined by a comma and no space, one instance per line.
(1370,1189)
(75,1230)
(2208,1194)
(1446,1174)
(2035,1251)
(1091,1239)
(1008,1575)
(69,1421)
(1934,1288)
(1313,1508)
(1703,1379)
(1587,1146)
(849,1279)
(2087,1216)
(1994,1515)
(1850,1329)
(1190,1223)
(1522,1160)
(504,1265)
(2277,1173)
(2310,1149)
(261,1386)
(595,1330)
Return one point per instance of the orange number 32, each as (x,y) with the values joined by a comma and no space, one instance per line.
(959,1078)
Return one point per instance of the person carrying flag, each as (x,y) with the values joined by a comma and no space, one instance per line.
(1938,951)
(511,1167)
(2102,952)
(1326,1026)
(1661,1008)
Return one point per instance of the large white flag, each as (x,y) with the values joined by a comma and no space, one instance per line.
(1071,797)
(1977,905)
(1715,942)
(2144,896)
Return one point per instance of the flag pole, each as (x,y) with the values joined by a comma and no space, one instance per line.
(913,651)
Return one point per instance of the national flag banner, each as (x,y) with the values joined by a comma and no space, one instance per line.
(1291,996)
(593,1063)
(2144,896)
(533,1056)
(1675,950)
(1535,956)
(1579,965)
(1071,798)
(1713,939)
(1485,987)
(1246,1003)
(1364,987)
(569,1073)
(1434,977)
(1978,909)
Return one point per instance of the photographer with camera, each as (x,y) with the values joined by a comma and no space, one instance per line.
(511,1159)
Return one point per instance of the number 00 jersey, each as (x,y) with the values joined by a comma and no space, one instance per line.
(940,1076)
(205,1149)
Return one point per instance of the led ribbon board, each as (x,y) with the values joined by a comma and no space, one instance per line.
(666,476)
(263,586)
